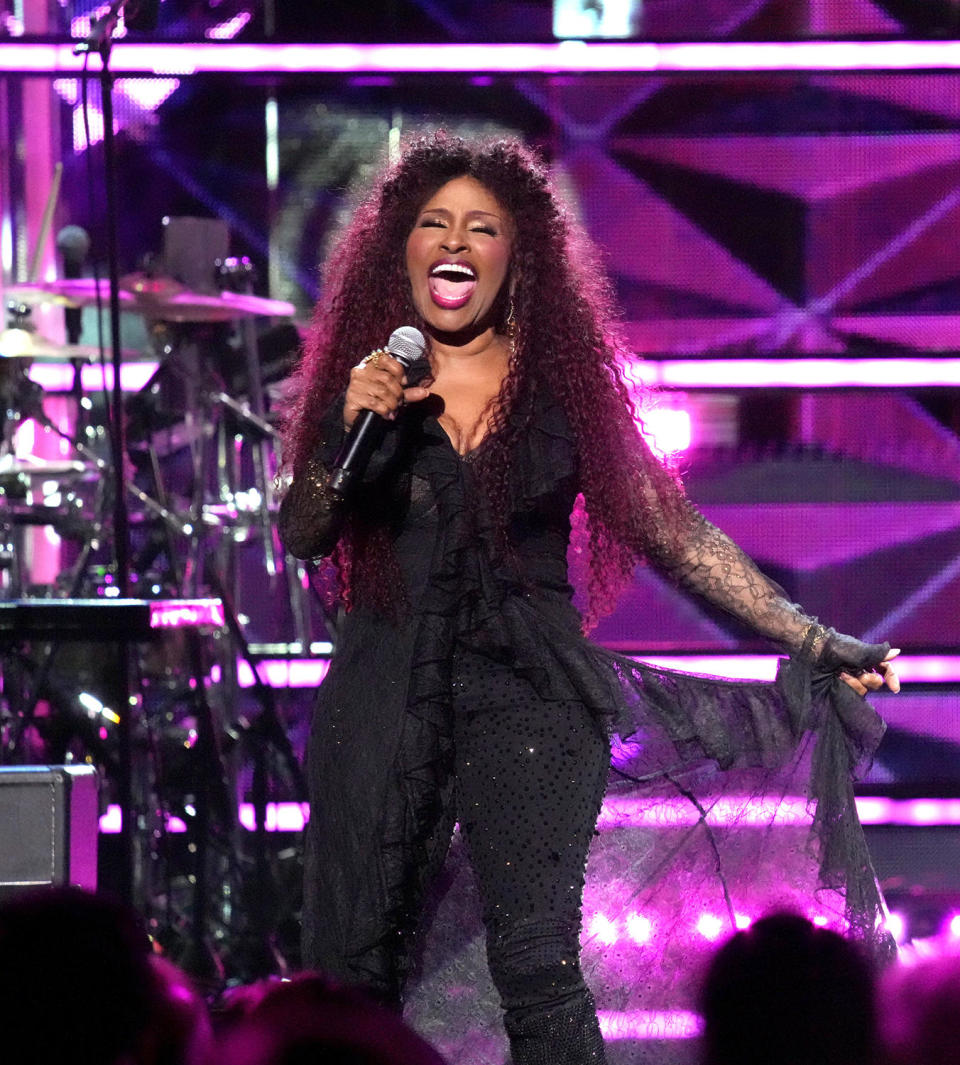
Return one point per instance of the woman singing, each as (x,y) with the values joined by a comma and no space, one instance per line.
(462,687)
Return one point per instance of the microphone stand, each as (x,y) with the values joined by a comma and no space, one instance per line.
(100,41)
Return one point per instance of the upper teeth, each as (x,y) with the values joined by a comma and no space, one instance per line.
(455,268)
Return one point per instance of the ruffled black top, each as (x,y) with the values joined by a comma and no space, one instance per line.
(677,735)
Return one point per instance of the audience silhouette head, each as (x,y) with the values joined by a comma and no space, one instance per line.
(76,983)
(785,992)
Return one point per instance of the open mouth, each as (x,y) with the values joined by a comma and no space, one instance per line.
(451,284)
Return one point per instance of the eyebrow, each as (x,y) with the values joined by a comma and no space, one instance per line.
(470,214)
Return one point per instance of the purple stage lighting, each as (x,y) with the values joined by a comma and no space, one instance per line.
(21,56)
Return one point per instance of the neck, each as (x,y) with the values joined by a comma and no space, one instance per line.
(451,352)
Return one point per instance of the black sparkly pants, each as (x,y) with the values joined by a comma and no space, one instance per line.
(530,777)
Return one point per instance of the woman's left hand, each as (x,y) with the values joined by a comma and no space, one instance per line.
(872,680)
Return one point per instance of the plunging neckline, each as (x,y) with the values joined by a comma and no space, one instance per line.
(468,455)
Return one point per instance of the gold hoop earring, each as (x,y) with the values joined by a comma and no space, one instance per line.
(511,329)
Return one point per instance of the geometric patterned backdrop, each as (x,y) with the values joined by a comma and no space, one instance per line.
(751,216)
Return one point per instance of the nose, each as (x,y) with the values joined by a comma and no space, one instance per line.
(455,239)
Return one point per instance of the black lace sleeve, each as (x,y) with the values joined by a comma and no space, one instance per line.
(707,562)
(310,515)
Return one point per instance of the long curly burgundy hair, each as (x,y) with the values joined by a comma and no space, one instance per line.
(564,342)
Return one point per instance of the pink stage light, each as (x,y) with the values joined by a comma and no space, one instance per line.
(193,613)
(667,429)
(711,927)
(307,672)
(285,673)
(877,810)
(58,377)
(19,55)
(229,29)
(603,929)
(630,811)
(692,374)
(896,925)
(280,816)
(111,822)
(648,1024)
(636,812)
(953,926)
(733,667)
(618,813)
(912,669)
(94,121)
(148,93)
(639,928)
(81,25)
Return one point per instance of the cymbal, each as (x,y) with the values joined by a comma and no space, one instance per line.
(40,469)
(196,307)
(23,344)
(69,292)
(157,298)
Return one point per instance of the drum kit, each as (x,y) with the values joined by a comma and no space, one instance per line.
(200,470)
(188,404)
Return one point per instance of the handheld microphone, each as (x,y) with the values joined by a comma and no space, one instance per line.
(73,243)
(407,346)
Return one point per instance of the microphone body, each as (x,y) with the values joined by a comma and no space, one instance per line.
(73,243)
(407,346)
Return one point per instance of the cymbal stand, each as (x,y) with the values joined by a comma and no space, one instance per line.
(100,41)
(210,434)
(238,424)
(240,272)
(266,730)
(265,434)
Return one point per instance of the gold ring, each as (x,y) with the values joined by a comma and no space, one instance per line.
(374,357)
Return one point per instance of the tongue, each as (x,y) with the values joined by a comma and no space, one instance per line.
(452,290)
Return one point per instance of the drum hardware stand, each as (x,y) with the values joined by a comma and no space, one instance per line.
(264,484)
(32,696)
(22,400)
(203,572)
(264,732)
(241,272)
(100,41)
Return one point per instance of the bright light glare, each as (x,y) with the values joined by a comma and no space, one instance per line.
(667,429)
(639,928)
(603,929)
(896,925)
(710,926)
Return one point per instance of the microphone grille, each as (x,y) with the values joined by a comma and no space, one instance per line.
(73,242)
(406,344)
